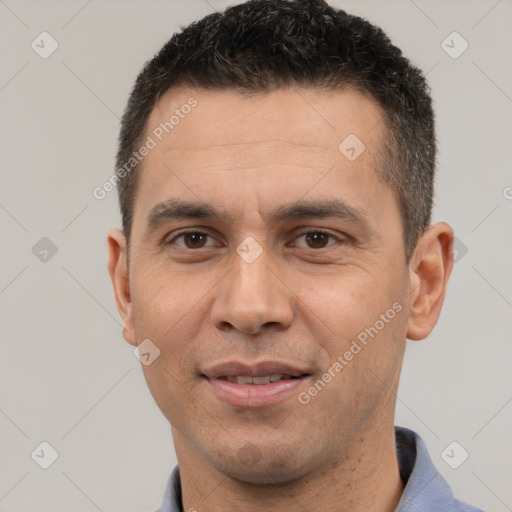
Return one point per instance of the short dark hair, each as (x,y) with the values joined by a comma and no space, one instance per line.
(264,45)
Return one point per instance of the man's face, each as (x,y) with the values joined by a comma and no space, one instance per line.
(267,286)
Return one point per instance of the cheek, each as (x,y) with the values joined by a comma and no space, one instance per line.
(169,315)
(346,303)
(173,395)
(360,322)
(171,320)
(162,299)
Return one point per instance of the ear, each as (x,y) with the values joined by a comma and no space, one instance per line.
(119,276)
(430,268)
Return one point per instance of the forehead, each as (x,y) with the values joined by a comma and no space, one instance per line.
(265,144)
(303,118)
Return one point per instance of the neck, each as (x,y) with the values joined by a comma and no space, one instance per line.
(365,477)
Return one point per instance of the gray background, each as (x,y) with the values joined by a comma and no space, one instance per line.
(66,374)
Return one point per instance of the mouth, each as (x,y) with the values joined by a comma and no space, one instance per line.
(258,381)
(257,385)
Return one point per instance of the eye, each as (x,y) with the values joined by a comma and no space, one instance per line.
(191,240)
(313,239)
(317,239)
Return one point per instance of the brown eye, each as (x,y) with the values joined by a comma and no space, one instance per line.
(194,240)
(316,239)
(191,240)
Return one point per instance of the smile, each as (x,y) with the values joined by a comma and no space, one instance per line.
(255,395)
(256,381)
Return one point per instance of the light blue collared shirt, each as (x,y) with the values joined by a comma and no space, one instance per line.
(425,489)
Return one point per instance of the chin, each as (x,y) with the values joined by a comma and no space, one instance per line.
(262,466)
(263,475)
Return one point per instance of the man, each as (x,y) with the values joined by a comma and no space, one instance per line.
(275,173)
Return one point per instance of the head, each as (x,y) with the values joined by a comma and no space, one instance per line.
(278,221)
(266,45)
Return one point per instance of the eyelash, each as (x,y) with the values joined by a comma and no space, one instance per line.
(195,231)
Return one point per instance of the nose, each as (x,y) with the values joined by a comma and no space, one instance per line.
(252,298)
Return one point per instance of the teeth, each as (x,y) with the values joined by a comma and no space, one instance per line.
(259,381)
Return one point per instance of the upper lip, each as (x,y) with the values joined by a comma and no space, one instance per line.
(236,368)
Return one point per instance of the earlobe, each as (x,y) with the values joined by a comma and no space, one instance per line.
(430,268)
(119,276)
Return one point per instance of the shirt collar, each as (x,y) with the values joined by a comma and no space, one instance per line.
(425,489)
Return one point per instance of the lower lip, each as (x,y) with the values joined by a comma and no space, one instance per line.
(255,395)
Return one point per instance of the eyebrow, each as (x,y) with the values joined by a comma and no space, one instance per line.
(176,209)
